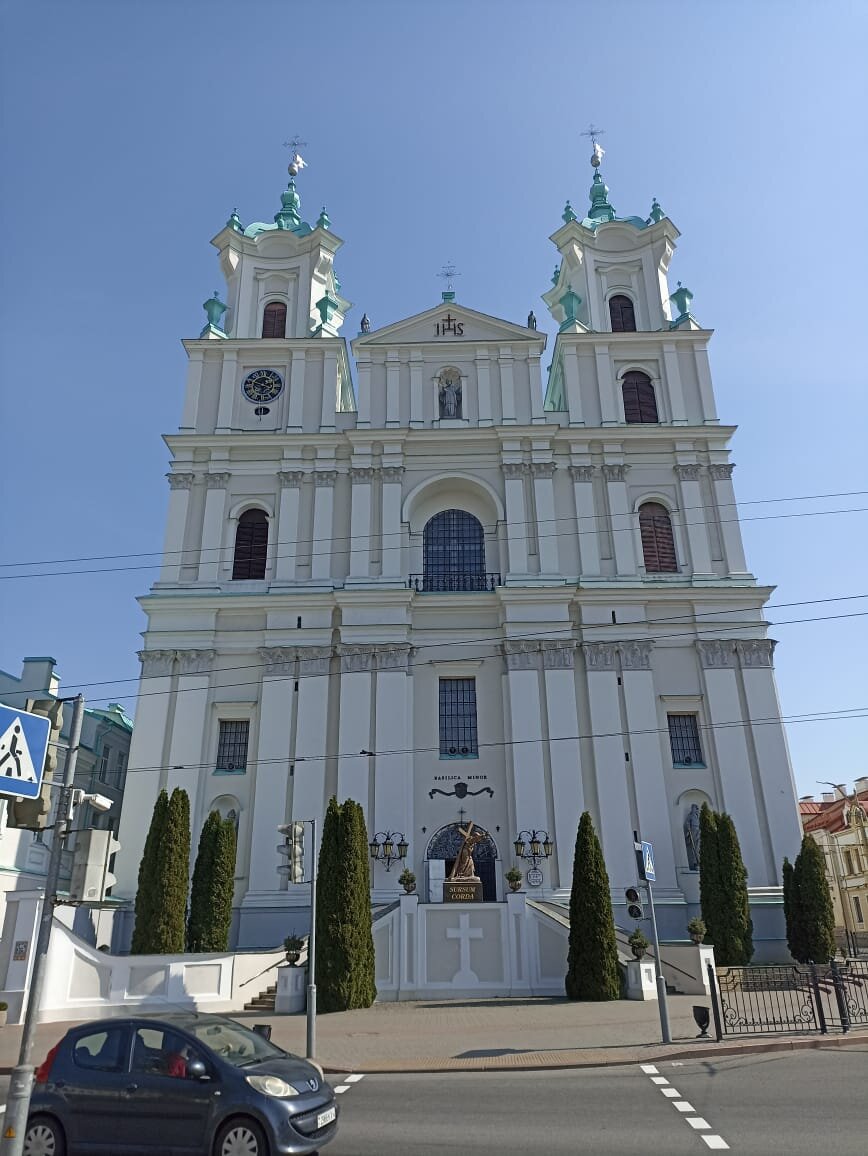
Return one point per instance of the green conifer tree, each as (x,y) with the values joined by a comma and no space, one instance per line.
(213,887)
(814,914)
(734,935)
(709,872)
(172,875)
(592,961)
(147,896)
(788,880)
(363,988)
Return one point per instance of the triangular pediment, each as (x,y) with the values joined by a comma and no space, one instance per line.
(446,323)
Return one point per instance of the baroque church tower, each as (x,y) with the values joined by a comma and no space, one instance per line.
(456,593)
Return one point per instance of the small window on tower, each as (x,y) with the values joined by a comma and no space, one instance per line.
(684,740)
(640,404)
(251,546)
(658,542)
(621,314)
(232,747)
(274,320)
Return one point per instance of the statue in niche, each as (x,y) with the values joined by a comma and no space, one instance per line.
(691,837)
(450,393)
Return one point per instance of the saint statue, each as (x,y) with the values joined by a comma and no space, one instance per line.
(366,324)
(464,868)
(691,837)
(450,394)
(531,320)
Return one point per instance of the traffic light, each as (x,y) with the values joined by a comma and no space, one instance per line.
(91,878)
(293,849)
(634,903)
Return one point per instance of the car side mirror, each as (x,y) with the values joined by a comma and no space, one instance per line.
(196,1070)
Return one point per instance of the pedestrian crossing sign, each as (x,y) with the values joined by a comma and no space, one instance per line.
(23,746)
(648,862)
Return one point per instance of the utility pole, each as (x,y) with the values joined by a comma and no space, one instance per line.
(311,950)
(21,1081)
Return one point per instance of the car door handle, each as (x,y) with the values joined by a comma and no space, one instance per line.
(132,1088)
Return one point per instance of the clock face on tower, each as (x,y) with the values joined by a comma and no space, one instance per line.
(262,385)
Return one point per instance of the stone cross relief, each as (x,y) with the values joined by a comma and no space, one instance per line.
(464,977)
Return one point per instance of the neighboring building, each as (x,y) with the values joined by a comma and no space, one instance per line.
(100,767)
(457,595)
(839,823)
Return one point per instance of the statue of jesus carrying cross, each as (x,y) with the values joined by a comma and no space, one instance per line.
(464,868)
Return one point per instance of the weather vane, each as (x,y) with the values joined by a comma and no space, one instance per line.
(597,154)
(297,162)
(449,273)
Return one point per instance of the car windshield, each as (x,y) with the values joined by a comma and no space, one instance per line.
(232,1042)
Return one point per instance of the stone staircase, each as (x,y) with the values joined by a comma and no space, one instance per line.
(264,1002)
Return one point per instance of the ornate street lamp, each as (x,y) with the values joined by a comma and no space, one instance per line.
(533,845)
(384,845)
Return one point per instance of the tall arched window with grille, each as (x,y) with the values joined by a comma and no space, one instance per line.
(453,552)
(640,404)
(274,320)
(658,542)
(251,545)
(622,314)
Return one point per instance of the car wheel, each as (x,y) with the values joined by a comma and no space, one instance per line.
(241,1138)
(44,1137)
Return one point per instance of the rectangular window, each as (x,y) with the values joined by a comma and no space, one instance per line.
(120,769)
(848,863)
(857,907)
(458,738)
(232,746)
(104,763)
(684,740)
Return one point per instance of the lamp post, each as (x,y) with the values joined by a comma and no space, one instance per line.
(388,847)
(533,845)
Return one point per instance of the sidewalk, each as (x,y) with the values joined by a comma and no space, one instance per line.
(481,1035)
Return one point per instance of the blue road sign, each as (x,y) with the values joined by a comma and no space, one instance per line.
(648,862)
(23,746)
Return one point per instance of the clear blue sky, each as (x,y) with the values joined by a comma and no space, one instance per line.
(437,130)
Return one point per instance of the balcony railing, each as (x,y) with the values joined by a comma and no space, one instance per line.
(452,583)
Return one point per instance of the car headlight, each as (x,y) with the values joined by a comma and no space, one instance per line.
(272,1086)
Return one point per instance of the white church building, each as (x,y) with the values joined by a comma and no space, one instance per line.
(423,572)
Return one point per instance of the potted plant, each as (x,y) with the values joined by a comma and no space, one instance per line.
(697,929)
(407,880)
(293,945)
(4,1008)
(513,878)
(638,943)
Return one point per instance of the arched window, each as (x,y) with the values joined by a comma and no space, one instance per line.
(621,314)
(251,545)
(640,404)
(658,544)
(274,320)
(453,552)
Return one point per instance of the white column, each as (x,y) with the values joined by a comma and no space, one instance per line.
(360,522)
(516,516)
(286,532)
(314,686)
(537,415)
(323,511)
(189,730)
(417,411)
(568,796)
(729,738)
(393,773)
(354,730)
(674,386)
(213,523)
(706,391)
(270,776)
(483,386)
(228,386)
(588,525)
(727,512)
(695,519)
(647,761)
(329,389)
(176,527)
(572,387)
(190,415)
(606,385)
(529,778)
(364,371)
(547,526)
(295,419)
(391,522)
(616,829)
(507,384)
(777,803)
(393,387)
(621,519)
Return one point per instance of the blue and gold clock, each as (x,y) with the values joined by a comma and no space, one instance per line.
(262,386)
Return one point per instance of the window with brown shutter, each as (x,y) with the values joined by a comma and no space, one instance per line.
(658,543)
(274,320)
(640,404)
(251,545)
(622,314)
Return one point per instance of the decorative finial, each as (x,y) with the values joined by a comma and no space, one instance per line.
(556,276)
(448,273)
(296,162)
(681,298)
(656,213)
(323,221)
(290,202)
(568,214)
(234,222)
(570,303)
(214,310)
(597,154)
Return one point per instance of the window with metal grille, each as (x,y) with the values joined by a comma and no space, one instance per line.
(622,314)
(658,543)
(232,746)
(640,404)
(458,738)
(453,552)
(251,545)
(684,740)
(274,320)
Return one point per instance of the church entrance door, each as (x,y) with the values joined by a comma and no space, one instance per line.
(446,843)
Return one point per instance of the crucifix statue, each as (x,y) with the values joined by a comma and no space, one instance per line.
(464,868)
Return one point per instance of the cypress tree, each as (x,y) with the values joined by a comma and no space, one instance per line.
(213,887)
(331,960)
(592,962)
(734,935)
(814,915)
(363,988)
(787,878)
(709,872)
(147,895)
(172,876)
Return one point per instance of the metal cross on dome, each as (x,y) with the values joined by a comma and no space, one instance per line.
(449,273)
(592,133)
(297,162)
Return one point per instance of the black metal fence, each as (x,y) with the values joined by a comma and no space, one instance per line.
(454,583)
(797,997)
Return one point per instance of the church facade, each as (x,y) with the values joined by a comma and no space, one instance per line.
(457,588)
